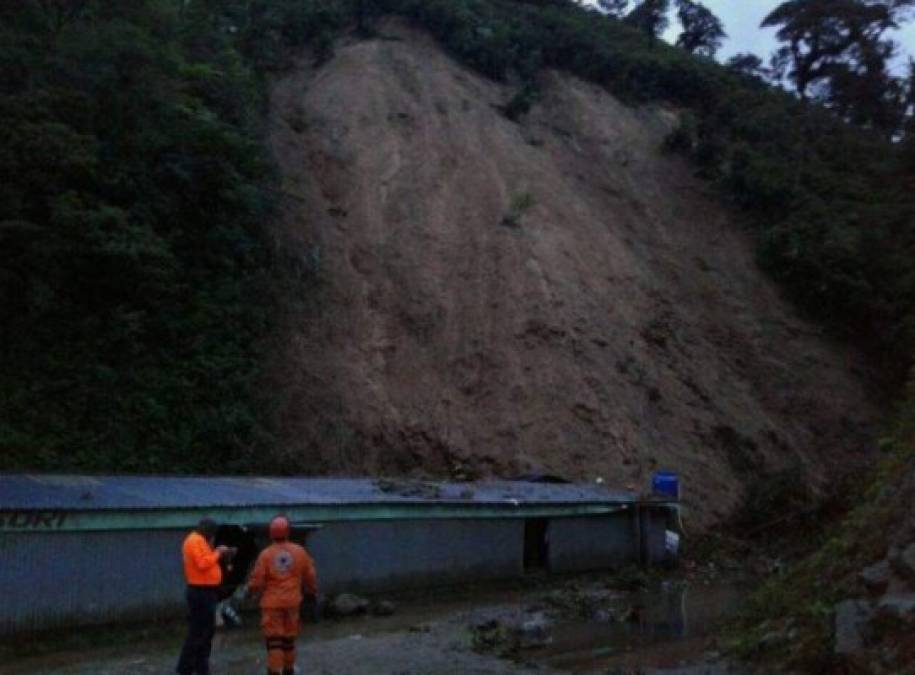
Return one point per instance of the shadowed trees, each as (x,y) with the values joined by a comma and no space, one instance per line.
(135,273)
(650,17)
(703,32)
(836,51)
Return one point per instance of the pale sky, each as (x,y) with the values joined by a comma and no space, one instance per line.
(741,19)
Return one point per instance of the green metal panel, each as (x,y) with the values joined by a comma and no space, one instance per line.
(155,519)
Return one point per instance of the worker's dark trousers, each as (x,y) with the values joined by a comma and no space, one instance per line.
(201,624)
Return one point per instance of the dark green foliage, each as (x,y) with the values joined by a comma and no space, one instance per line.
(905,418)
(650,17)
(749,65)
(772,497)
(836,52)
(522,101)
(499,37)
(702,31)
(683,138)
(873,507)
(134,277)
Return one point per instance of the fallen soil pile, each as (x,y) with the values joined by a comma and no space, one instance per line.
(551,296)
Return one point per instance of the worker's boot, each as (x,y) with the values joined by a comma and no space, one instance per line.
(289,671)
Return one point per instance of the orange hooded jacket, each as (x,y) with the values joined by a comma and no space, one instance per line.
(201,562)
(281,570)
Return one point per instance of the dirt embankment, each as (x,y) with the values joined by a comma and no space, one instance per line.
(555,295)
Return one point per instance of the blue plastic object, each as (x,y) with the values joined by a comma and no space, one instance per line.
(666,483)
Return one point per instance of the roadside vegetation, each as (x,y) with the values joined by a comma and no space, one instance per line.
(136,275)
(790,623)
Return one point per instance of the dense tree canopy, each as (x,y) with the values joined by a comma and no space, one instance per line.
(747,64)
(650,17)
(135,278)
(703,32)
(837,52)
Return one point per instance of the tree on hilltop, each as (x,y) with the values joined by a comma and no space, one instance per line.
(837,52)
(819,33)
(650,17)
(702,30)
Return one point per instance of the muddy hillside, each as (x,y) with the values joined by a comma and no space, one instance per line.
(553,295)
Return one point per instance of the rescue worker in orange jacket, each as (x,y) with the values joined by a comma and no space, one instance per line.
(203,575)
(282,572)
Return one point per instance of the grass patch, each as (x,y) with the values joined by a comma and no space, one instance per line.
(520,204)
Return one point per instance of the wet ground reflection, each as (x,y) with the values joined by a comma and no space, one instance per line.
(664,629)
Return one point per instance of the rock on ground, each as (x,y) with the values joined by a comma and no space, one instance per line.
(851,625)
(898,606)
(534,631)
(347,604)
(876,577)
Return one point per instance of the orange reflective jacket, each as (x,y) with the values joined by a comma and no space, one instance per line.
(201,562)
(281,570)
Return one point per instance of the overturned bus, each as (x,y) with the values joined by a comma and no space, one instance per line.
(94,549)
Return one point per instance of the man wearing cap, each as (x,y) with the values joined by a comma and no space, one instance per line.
(203,575)
(282,573)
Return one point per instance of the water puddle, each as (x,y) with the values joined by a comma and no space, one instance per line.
(662,630)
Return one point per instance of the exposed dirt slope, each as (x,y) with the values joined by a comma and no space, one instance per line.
(551,296)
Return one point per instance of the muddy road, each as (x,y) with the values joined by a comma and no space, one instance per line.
(573,626)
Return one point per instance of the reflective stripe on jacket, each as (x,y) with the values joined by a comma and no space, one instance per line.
(201,562)
(281,571)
